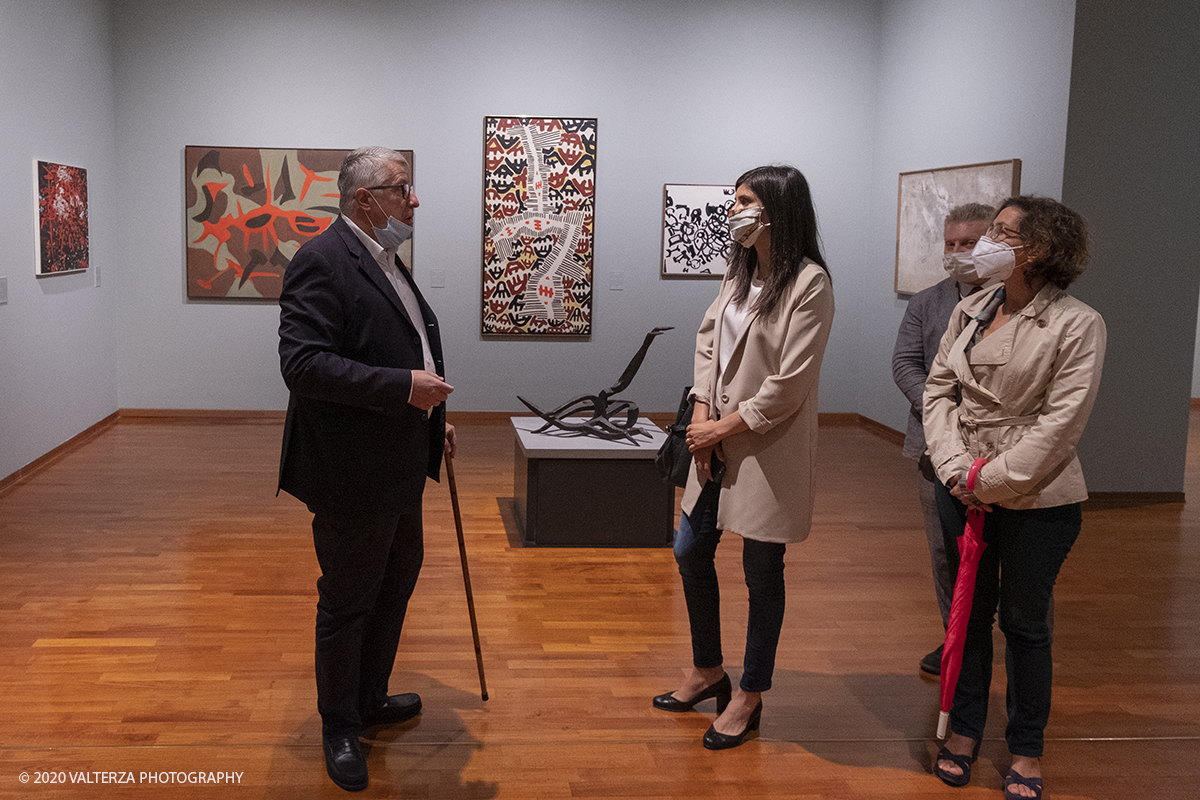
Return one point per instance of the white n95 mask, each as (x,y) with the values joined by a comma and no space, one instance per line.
(994,259)
(961,267)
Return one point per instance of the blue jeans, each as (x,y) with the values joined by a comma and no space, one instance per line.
(695,550)
(1026,549)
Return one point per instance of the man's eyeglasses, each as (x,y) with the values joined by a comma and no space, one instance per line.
(403,188)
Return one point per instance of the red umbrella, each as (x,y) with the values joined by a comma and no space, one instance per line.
(970,549)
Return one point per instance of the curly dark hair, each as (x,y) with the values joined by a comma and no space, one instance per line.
(1058,232)
(788,204)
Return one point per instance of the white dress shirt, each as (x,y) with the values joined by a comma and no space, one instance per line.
(386,259)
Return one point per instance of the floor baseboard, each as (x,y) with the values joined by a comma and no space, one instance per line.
(42,462)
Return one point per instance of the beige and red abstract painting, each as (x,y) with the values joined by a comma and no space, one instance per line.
(250,209)
(62,218)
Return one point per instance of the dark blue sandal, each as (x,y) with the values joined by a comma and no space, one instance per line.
(1015,778)
(962,762)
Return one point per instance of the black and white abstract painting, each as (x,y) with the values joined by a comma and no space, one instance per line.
(695,239)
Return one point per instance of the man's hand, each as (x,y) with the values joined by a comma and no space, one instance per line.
(428,390)
(450,447)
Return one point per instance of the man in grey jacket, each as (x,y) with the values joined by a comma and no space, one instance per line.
(916,345)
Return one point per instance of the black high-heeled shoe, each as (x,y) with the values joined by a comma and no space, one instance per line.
(725,741)
(722,690)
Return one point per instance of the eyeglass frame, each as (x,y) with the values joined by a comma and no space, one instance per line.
(405,188)
(1004,234)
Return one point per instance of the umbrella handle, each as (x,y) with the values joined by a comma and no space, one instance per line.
(974,473)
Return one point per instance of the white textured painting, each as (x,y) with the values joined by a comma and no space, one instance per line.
(926,197)
(695,239)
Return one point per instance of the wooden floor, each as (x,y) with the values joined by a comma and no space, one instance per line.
(157,605)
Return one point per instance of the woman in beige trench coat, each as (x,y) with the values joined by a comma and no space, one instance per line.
(1014,383)
(758,358)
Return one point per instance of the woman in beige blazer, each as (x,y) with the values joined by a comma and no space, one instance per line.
(1013,383)
(753,437)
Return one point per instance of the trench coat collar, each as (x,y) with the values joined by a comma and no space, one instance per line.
(957,358)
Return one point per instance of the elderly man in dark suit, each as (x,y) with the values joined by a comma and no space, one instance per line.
(366,424)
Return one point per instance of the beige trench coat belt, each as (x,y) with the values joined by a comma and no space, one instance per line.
(996,422)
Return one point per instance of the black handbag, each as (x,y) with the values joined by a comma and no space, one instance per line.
(673,459)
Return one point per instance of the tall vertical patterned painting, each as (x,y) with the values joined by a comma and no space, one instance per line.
(250,209)
(62,218)
(539,207)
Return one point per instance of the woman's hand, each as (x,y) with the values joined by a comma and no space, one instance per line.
(704,438)
(703,457)
(703,460)
(958,490)
(703,435)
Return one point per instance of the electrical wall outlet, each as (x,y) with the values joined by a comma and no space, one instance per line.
(3,291)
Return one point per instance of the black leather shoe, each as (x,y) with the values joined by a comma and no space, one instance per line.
(932,663)
(722,690)
(724,741)
(345,763)
(398,708)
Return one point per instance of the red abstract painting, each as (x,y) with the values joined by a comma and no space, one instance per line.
(62,218)
(250,209)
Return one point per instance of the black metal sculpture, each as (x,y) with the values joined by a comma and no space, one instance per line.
(603,420)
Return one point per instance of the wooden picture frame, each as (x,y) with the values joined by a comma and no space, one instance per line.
(249,209)
(924,199)
(62,219)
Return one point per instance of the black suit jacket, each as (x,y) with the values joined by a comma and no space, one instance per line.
(351,442)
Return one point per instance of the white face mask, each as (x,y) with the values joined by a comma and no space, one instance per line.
(961,266)
(745,227)
(994,259)
(395,234)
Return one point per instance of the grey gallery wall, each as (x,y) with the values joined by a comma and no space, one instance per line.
(852,92)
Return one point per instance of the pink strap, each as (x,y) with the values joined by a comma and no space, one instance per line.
(974,471)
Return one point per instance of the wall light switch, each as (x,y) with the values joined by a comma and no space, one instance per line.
(437,278)
(617,283)
(3,291)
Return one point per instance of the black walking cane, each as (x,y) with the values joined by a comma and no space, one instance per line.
(462,552)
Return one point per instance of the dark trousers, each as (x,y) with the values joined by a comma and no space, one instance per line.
(369,567)
(695,551)
(1025,550)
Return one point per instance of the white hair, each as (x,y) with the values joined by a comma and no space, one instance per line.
(366,166)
